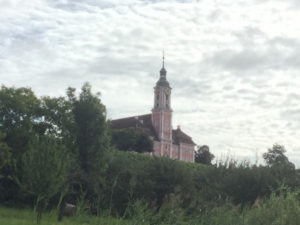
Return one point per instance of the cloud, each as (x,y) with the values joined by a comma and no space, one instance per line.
(233,65)
(276,54)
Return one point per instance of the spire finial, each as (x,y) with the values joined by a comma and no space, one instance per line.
(163,73)
(163,65)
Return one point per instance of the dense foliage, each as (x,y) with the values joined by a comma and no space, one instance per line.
(4,151)
(203,155)
(61,149)
(131,139)
(45,166)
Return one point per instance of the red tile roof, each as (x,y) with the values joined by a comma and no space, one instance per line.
(144,123)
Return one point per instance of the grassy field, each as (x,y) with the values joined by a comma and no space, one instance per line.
(280,209)
(10,216)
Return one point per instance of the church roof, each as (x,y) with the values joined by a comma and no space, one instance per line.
(179,136)
(144,123)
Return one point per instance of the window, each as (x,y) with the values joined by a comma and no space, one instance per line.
(157,97)
(167,97)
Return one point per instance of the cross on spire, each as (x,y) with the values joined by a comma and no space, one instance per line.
(163,65)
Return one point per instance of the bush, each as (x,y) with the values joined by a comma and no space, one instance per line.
(281,208)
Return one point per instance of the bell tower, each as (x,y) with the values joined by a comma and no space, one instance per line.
(162,112)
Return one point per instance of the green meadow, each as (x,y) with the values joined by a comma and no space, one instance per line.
(13,216)
(281,208)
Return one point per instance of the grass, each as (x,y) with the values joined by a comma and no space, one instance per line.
(282,208)
(13,216)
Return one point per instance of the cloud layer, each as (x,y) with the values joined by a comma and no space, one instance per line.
(233,66)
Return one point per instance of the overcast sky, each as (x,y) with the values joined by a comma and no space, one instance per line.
(234,65)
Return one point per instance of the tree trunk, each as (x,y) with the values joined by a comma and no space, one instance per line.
(61,211)
(40,209)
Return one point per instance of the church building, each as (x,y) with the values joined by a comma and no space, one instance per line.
(168,142)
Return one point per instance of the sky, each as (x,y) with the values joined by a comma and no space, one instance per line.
(234,65)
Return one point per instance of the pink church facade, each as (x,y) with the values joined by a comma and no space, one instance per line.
(167,142)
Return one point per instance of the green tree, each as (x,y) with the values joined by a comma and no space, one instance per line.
(20,120)
(144,143)
(161,178)
(20,117)
(58,117)
(92,137)
(5,153)
(78,122)
(276,156)
(203,155)
(45,167)
(131,140)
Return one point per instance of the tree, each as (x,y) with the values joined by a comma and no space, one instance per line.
(124,139)
(45,166)
(203,155)
(79,123)
(276,156)
(143,143)
(131,140)
(5,153)
(59,120)
(20,120)
(163,177)
(92,137)
(20,116)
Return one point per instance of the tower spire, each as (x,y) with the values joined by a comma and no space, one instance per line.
(163,73)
